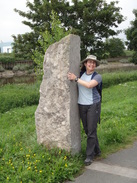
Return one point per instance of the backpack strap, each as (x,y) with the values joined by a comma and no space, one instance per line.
(81,73)
(99,86)
(99,89)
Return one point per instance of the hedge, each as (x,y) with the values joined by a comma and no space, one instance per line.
(7,59)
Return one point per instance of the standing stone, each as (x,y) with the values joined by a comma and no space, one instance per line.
(57,116)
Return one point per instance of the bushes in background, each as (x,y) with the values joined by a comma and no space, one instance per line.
(134,58)
(1,68)
(22,67)
(115,78)
(8,61)
(124,60)
(7,57)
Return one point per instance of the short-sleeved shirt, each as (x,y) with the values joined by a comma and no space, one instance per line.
(89,96)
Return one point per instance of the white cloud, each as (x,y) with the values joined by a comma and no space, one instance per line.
(10,21)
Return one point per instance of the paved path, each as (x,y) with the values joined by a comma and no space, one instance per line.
(120,167)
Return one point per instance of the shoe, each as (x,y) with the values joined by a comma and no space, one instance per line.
(98,154)
(88,161)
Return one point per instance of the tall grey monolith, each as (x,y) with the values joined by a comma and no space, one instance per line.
(57,117)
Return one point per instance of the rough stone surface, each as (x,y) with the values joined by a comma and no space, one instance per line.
(57,116)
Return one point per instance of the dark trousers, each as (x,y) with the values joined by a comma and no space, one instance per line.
(90,115)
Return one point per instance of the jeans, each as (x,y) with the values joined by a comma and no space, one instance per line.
(90,115)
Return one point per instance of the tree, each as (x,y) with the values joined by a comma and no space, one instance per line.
(92,20)
(38,19)
(131,34)
(24,45)
(115,47)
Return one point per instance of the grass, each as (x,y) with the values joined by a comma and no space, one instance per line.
(18,95)
(22,159)
(114,78)
(119,117)
(118,126)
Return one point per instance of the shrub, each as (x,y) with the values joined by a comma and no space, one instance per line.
(124,61)
(30,71)
(22,67)
(110,79)
(15,68)
(104,62)
(7,59)
(134,58)
(1,68)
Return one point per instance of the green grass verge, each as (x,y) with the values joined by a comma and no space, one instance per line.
(119,116)
(18,95)
(114,78)
(23,160)
(118,126)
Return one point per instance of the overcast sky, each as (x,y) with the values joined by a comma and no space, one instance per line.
(11,22)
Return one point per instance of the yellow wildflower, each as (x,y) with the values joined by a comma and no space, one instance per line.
(29,168)
(65,157)
(27,155)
